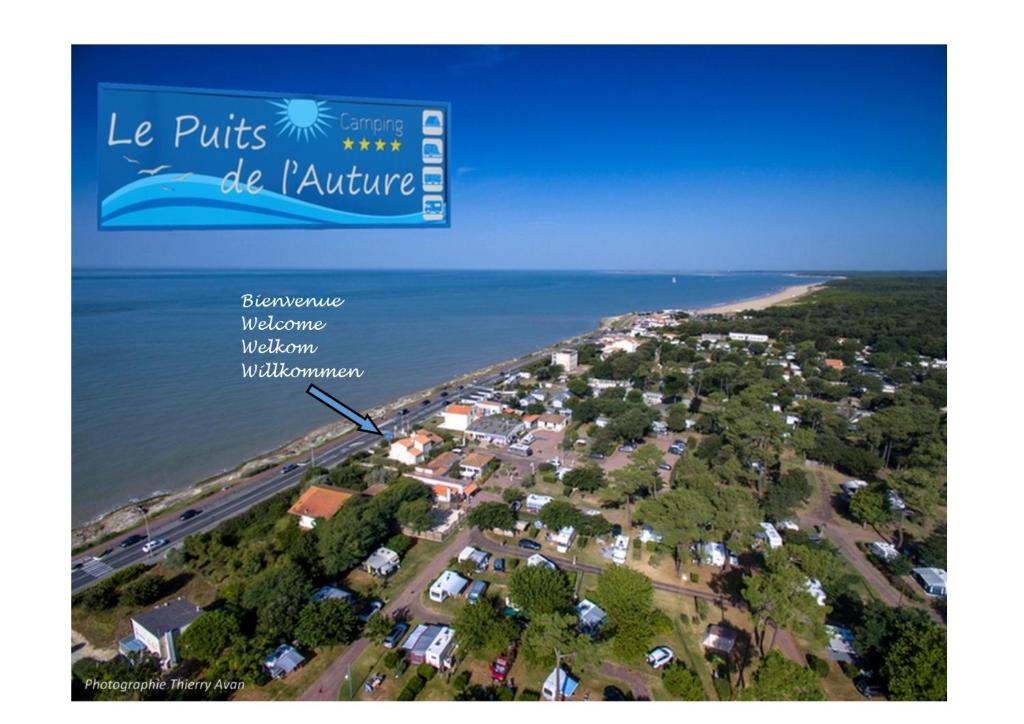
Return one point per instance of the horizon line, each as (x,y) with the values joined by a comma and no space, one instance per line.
(811,272)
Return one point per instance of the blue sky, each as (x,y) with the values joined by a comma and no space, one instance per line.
(633,158)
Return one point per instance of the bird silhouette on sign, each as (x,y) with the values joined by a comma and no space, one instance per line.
(153,171)
(184,176)
(129,159)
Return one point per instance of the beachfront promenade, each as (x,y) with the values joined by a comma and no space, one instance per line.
(245,495)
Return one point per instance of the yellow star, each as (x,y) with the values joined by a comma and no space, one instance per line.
(396,145)
(348,144)
(364,145)
(380,144)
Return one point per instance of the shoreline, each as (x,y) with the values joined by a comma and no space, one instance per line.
(758,303)
(125,517)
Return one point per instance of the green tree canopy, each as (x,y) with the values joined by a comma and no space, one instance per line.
(327,622)
(682,683)
(538,590)
(480,628)
(628,598)
(492,515)
(778,594)
(779,679)
(209,635)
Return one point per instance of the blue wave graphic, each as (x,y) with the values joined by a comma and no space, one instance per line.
(167,200)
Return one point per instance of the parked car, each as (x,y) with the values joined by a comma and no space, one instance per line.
(869,689)
(499,565)
(660,656)
(476,591)
(154,544)
(444,394)
(371,608)
(596,456)
(405,410)
(103,554)
(628,448)
(288,468)
(425,403)
(396,634)
(675,450)
(664,466)
(616,529)
(132,540)
(528,544)
(373,683)
(499,669)
(189,514)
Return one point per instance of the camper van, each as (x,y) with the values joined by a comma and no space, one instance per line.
(520,449)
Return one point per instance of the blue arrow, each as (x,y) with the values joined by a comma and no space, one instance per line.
(365,423)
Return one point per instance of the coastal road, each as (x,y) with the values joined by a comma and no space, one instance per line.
(262,487)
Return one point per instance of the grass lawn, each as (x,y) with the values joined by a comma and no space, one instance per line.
(291,687)
(414,559)
(103,629)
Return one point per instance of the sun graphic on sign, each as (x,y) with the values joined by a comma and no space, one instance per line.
(302,118)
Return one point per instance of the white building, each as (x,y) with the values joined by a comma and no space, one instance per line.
(157,630)
(884,550)
(414,449)
(535,502)
(538,560)
(648,535)
(747,337)
(457,417)
(487,408)
(770,535)
(852,486)
(619,343)
(439,652)
(620,549)
(382,562)
(559,685)
(448,584)
(563,538)
(932,580)
(568,359)
(814,588)
(713,554)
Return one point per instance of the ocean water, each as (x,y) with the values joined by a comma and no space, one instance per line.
(158,397)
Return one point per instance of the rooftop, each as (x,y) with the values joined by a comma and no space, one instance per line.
(477,460)
(318,502)
(169,616)
(495,425)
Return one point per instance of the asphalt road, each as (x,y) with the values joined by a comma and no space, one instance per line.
(249,494)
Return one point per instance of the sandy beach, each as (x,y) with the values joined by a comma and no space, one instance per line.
(786,295)
(129,516)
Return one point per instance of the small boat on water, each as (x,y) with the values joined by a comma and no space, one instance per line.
(673,280)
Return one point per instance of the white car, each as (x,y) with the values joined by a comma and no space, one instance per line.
(660,656)
(154,544)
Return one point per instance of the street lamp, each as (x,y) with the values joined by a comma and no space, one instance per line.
(145,518)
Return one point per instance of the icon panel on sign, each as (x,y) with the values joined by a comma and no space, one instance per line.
(433,208)
(433,179)
(433,123)
(433,150)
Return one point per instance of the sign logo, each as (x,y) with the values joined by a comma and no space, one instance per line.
(174,158)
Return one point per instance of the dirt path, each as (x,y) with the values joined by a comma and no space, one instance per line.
(783,640)
(326,687)
(637,682)
(81,649)
(845,537)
